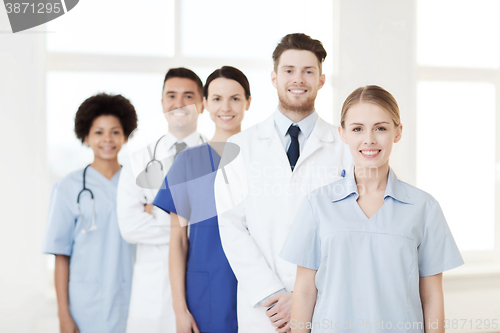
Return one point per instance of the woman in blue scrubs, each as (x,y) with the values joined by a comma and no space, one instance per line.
(370,248)
(203,283)
(93,264)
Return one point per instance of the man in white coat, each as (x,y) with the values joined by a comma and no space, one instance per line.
(281,160)
(140,222)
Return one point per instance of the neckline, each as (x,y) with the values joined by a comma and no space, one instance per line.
(363,213)
(101,175)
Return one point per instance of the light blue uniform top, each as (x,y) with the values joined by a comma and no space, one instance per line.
(368,269)
(100,268)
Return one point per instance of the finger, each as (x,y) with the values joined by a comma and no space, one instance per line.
(195,327)
(284,329)
(271,312)
(280,322)
(272,299)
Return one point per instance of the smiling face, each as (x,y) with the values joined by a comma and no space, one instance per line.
(177,94)
(226,103)
(370,133)
(297,79)
(105,137)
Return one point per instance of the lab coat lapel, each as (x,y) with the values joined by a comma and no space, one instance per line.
(321,133)
(271,144)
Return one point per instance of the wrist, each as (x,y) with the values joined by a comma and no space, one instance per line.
(180,309)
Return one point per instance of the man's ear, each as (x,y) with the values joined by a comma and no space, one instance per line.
(273,79)
(204,105)
(322,80)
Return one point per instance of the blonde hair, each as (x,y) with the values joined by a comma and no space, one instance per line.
(375,95)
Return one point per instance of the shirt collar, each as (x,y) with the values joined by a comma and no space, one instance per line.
(191,140)
(306,125)
(347,186)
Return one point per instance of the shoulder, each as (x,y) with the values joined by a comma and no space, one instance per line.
(264,128)
(418,196)
(70,183)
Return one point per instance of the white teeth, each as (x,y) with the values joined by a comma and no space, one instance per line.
(370,152)
(226,117)
(297,91)
(178,114)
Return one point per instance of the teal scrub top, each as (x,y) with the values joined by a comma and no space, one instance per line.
(368,269)
(100,267)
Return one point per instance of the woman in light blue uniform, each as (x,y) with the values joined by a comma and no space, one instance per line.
(93,265)
(370,248)
(203,283)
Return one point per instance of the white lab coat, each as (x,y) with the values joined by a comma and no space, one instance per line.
(257,210)
(151,308)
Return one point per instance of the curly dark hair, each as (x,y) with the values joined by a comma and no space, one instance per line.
(104,104)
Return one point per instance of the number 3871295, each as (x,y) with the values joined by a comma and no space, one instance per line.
(39,8)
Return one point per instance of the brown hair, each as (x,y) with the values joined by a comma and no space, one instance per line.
(231,73)
(299,41)
(375,95)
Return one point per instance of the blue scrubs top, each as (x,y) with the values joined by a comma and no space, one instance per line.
(100,267)
(368,269)
(210,282)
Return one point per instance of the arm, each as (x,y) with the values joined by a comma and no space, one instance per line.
(304,299)
(179,245)
(431,296)
(61,278)
(136,224)
(255,278)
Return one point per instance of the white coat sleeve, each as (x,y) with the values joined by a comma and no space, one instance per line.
(137,226)
(255,278)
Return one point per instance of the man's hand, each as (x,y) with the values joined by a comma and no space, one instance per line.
(280,313)
(148,208)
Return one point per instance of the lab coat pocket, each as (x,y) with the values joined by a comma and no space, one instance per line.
(85,304)
(198,295)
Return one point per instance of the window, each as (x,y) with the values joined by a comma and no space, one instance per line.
(89,53)
(457,97)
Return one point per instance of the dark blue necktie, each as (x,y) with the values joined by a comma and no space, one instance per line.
(293,151)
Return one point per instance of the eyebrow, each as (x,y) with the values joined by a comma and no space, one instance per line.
(380,122)
(111,127)
(175,92)
(305,67)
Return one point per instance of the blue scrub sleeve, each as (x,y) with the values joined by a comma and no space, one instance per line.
(60,223)
(173,196)
(437,251)
(303,245)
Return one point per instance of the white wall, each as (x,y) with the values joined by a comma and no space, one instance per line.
(24,191)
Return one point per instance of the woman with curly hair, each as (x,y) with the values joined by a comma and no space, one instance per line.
(93,264)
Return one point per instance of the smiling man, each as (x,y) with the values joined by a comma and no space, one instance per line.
(304,153)
(140,223)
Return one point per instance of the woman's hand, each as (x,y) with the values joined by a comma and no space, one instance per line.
(67,324)
(185,322)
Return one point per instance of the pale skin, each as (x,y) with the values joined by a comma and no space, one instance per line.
(106,138)
(179,92)
(297,79)
(370,134)
(227,104)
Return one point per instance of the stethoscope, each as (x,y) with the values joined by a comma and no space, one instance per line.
(153,156)
(92,226)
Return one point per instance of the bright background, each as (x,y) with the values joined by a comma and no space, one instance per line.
(439,58)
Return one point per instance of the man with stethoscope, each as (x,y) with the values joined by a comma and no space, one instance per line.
(139,221)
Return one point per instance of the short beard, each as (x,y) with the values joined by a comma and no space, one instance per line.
(306,106)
